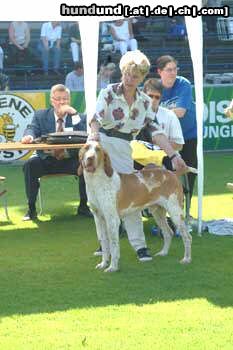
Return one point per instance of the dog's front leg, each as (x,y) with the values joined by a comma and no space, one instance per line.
(105,253)
(113,224)
(101,231)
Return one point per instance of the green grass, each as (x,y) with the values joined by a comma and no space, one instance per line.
(51,297)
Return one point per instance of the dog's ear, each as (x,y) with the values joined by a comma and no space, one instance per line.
(80,169)
(80,156)
(107,165)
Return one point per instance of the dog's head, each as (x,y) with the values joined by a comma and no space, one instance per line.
(92,156)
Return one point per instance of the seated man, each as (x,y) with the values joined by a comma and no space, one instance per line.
(50,43)
(168,122)
(75,42)
(52,162)
(19,40)
(75,79)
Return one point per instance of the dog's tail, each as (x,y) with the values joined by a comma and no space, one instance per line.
(188,169)
(192,170)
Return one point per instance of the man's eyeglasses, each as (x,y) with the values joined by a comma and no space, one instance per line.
(156,97)
(58,99)
(170,70)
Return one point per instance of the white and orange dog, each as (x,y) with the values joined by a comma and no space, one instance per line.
(113,196)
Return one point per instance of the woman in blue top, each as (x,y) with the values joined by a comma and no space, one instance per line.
(177,96)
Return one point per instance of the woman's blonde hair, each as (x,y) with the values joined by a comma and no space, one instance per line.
(135,61)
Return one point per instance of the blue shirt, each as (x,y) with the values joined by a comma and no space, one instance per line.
(180,96)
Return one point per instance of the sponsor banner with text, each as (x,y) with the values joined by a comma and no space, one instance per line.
(16,112)
(218,129)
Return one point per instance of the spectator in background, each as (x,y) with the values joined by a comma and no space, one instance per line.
(104,28)
(1,59)
(177,29)
(75,42)
(177,96)
(104,75)
(19,39)
(211,21)
(123,37)
(105,37)
(50,42)
(4,79)
(75,79)
(4,82)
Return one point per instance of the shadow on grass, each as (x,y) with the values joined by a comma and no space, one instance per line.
(52,268)
(5,222)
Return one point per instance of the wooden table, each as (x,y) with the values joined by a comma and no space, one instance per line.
(18,146)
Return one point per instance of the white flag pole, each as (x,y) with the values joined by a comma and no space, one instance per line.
(194,29)
(89,31)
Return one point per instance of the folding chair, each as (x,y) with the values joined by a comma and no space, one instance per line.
(3,195)
(40,199)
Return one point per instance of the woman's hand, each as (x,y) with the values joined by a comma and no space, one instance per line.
(179,164)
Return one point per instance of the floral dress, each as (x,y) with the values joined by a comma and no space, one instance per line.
(113,112)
